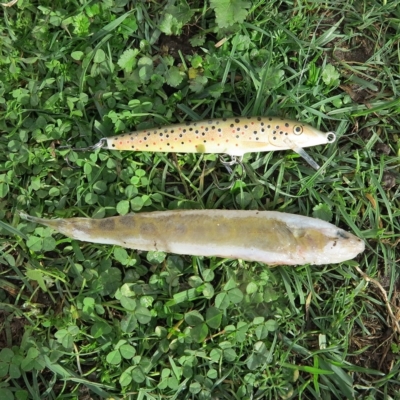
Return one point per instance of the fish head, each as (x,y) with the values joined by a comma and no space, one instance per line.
(330,245)
(294,134)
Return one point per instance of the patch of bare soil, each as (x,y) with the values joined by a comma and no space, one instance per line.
(11,329)
(377,345)
(357,52)
(374,347)
(346,55)
(172,45)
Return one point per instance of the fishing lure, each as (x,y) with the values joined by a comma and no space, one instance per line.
(270,237)
(232,136)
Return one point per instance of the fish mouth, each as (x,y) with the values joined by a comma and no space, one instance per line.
(351,246)
(330,137)
(322,137)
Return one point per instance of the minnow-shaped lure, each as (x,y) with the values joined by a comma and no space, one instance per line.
(270,237)
(232,136)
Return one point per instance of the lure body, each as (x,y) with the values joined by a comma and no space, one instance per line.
(233,136)
(270,237)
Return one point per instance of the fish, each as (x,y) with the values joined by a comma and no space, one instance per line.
(269,237)
(233,136)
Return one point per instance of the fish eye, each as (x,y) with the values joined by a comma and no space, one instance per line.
(297,130)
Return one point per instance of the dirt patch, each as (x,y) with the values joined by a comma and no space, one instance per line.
(376,345)
(172,45)
(12,329)
(346,55)
(359,51)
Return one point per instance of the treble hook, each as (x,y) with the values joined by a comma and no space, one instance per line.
(93,147)
(96,146)
(235,160)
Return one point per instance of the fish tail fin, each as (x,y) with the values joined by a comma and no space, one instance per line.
(52,223)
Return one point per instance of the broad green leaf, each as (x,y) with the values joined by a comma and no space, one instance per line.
(197,40)
(244,199)
(128,323)
(114,357)
(127,351)
(6,354)
(259,356)
(213,317)
(229,355)
(271,325)
(193,318)
(172,383)
(127,60)
(138,375)
(241,331)
(195,388)
(14,371)
(231,284)
(330,76)
(222,300)
(128,303)
(4,189)
(251,288)
(235,295)
(6,394)
(261,332)
(174,77)
(208,275)
(99,56)
(126,377)
(155,257)
(49,243)
(208,290)
(35,243)
(77,55)
(21,394)
(199,332)
(137,203)
(4,369)
(37,275)
(322,211)
(229,12)
(100,187)
(100,329)
(121,255)
(212,373)
(91,198)
(175,18)
(123,207)
(110,280)
(216,355)
(195,281)
(143,315)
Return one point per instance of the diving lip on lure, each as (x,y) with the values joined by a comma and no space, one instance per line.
(232,136)
(270,237)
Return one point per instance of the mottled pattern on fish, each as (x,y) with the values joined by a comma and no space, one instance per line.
(264,236)
(234,136)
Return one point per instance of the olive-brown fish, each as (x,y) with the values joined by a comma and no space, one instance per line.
(264,236)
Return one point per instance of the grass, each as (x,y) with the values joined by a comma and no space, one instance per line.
(81,320)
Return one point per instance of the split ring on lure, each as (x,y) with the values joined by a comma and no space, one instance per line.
(232,136)
(270,237)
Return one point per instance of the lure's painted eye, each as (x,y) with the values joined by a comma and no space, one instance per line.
(297,130)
